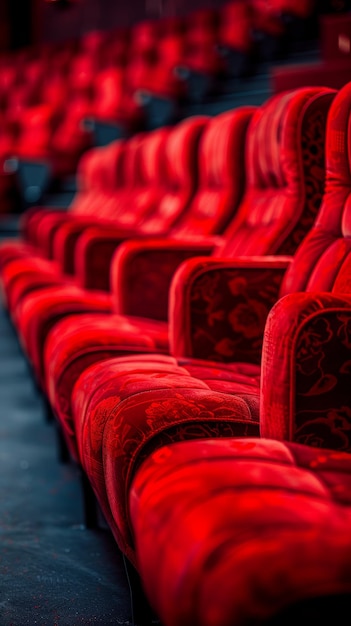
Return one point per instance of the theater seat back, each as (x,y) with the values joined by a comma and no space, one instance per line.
(323,261)
(285,166)
(181,175)
(120,200)
(146,176)
(235,26)
(221,174)
(108,93)
(100,172)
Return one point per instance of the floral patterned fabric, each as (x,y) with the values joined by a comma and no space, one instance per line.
(300,387)
(96,247)
(124,408)
(68,353)
(218,309)
(310,365)
(285,165)
(134,293)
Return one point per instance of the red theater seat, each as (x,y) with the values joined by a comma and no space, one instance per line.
(185,63)
(156,193)
(113,101)
(209,207)
(100,174)
(280,200)
(293,388)
(244,531)
(235,39)
(100,170)
(278,23)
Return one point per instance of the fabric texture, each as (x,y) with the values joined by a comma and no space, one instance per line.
(142,271)
(243,531)
(305,342)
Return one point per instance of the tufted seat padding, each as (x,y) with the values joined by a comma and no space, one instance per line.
(141,270)
(293,384)
(243,531)
(199,181)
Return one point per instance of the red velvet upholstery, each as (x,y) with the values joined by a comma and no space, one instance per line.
(24,261)
(46,93)
(143,403)
(124,409)
(114,184)
(141,287)
(96,167)
(30,309)
(169,200)
(243,531)
(235,24)
(304,356)
(113,101)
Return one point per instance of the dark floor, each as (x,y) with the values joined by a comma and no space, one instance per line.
(53,570)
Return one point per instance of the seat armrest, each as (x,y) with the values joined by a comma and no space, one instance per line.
(218,307)
(306,370)
(69,234)
(26,218)
(94,252)
(46,230)
(32,224)
(142,271)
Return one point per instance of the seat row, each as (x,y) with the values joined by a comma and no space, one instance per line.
(204,391)
(57,100)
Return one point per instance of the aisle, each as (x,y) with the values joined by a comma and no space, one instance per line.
(54,572)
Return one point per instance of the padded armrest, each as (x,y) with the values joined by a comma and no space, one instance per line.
(218,307)
(94,252)
(69,233)
(46,228)
(306,370)
(141,273)
(26,218)
(33,217)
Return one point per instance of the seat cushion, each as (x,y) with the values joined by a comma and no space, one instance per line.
(123,409)
(37,313)
(243,531)
(72,348)
(76,343)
